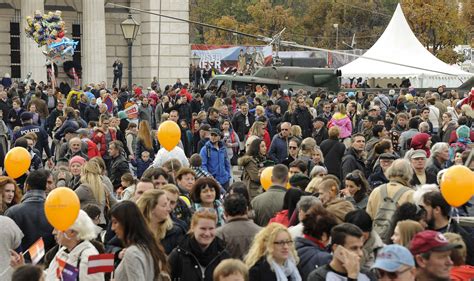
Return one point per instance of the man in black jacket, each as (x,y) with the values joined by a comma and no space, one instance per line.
(118,164)
(303,118)
(320,130)
(242,122)
(353,158)
(53,115)
(92,112)
(29,214)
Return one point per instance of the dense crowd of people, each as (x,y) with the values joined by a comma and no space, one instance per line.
(354,195)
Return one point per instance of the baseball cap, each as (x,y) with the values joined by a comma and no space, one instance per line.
(25,116)
(430,240)
(215,131)
(391,257)
(419,153)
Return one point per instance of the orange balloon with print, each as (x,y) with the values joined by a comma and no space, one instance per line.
(457,185)
(169,135)
(62,208)
(17,162)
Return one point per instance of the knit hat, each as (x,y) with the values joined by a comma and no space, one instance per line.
(77,159)
(122,115)
(463,131)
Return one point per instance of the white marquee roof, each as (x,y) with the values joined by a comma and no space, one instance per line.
(398,44)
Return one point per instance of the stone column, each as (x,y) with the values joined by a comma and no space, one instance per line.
(94,63)
(32,58)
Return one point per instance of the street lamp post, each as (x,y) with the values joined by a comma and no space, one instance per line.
(336,26)
(130,29)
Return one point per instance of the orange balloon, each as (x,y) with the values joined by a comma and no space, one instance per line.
(17,162)
(457,185)
(266,177)
(169,134)
(62,208)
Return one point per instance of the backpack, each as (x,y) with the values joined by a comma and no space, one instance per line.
(383,219)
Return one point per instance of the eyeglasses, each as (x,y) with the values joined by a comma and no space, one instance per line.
(379,273)
(283,242)
(293,147)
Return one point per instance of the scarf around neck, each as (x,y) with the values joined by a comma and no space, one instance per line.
(288,269)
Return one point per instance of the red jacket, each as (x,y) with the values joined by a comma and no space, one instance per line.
(281,217)
(99,139)
(92,150)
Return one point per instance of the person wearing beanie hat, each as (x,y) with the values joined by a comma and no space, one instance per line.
(462,142)
(75,167)
(421,141)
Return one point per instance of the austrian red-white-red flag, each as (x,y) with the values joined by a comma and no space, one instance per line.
(100,263)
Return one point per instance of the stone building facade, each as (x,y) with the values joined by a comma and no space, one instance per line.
(160,50)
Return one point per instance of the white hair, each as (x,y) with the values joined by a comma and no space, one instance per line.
(85,227)
(422,190)
(438,147)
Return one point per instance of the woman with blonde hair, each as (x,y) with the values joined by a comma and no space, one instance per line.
(272,256)
(258,129)
(93,191)
(145,140)
(155,207)
(296,132)
(310,152)
(287,116)
(405,231)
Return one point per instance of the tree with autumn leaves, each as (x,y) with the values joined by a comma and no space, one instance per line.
(438,24)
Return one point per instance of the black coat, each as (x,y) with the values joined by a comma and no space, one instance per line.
(51,120)
(430,179)
(304,119)
(238,123)
(186,266)
(92,113)
(311,256)
(351,161)
(261,271)
(333,151)
(30,217)
(42,143)
(118,167)
(321,135)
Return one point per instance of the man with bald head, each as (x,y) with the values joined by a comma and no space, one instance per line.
(279,147)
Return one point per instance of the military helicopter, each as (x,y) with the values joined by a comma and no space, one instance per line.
(278,76)
(275,76)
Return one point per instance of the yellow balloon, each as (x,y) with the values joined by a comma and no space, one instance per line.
(266,177)
(169,134)
(17,162)
(62,208)
(457,185)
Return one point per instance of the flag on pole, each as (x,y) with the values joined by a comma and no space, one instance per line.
(100,263)
(37,251)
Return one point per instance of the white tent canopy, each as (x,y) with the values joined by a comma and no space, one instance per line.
(398,44)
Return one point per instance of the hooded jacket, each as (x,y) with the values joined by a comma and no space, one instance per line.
(216,162)
(343,122)
(311,256)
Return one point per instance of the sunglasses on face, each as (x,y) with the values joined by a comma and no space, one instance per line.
(293,147)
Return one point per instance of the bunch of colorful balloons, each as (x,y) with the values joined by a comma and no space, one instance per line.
(49,30)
